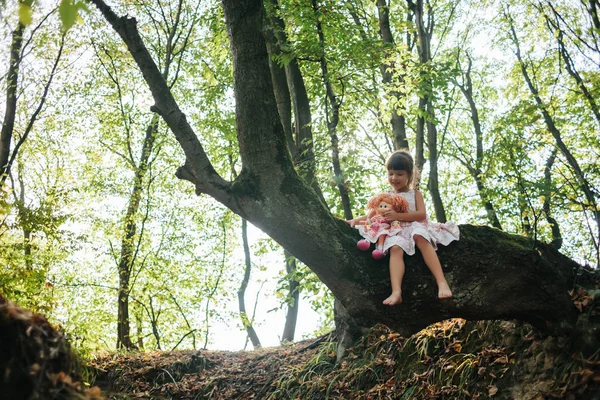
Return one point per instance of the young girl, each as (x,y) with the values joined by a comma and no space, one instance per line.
(414,228)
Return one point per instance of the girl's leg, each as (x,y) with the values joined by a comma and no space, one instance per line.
(396,275)
(433,263)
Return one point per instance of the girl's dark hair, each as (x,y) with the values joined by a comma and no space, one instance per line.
(402,161)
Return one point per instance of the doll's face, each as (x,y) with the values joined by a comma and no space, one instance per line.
(383,207)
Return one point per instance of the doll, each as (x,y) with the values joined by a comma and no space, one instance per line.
(376,227)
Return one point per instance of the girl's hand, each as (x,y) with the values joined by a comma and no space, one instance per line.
(392,215)
(350,222)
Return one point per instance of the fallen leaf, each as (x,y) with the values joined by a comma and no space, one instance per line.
(492,390)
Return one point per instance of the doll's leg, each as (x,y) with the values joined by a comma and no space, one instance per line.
(378,253)
(396,275)
(380,241)
(433,263)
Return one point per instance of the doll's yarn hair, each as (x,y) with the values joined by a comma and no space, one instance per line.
(402,161)
(399,203)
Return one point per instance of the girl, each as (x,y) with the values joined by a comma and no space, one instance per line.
(414,228)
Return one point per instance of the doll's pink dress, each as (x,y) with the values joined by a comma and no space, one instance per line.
(377,226)
(402,233)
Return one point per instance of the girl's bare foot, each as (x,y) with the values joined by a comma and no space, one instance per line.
(395,298)
(444,291)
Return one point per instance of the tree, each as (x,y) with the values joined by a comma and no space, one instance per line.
(246,321)
(583,183)
(475,166)
(426,111)
(177,26)
(530,279)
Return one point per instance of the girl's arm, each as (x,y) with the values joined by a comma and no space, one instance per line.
(418,215)
(359,220)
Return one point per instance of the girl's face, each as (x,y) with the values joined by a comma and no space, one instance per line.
(398,179)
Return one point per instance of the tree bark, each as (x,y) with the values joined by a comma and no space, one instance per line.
(494,275)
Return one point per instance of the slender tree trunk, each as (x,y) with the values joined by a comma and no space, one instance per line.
(593,10)
(302,146)
(487,203)
(128,247)
(395,97)
(570,66)
(433,182)
(555,228)
(246,322)
(332,113)
(425,104)
(294,298)
(139,330)
(420,140)
(280,86)
(27,229)
(476,170)
(12,79)
(554,26)
(154,322)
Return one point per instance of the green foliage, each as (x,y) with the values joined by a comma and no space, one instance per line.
(69,12)
(25,13)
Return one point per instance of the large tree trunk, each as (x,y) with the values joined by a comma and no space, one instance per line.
(493,275)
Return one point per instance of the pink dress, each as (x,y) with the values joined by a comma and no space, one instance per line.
(376,227)
(402,233)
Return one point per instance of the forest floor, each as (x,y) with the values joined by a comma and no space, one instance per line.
(454,359)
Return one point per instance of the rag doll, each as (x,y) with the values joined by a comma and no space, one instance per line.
(376,227)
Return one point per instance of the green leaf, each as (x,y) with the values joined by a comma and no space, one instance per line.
(68,13)
(25,14)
